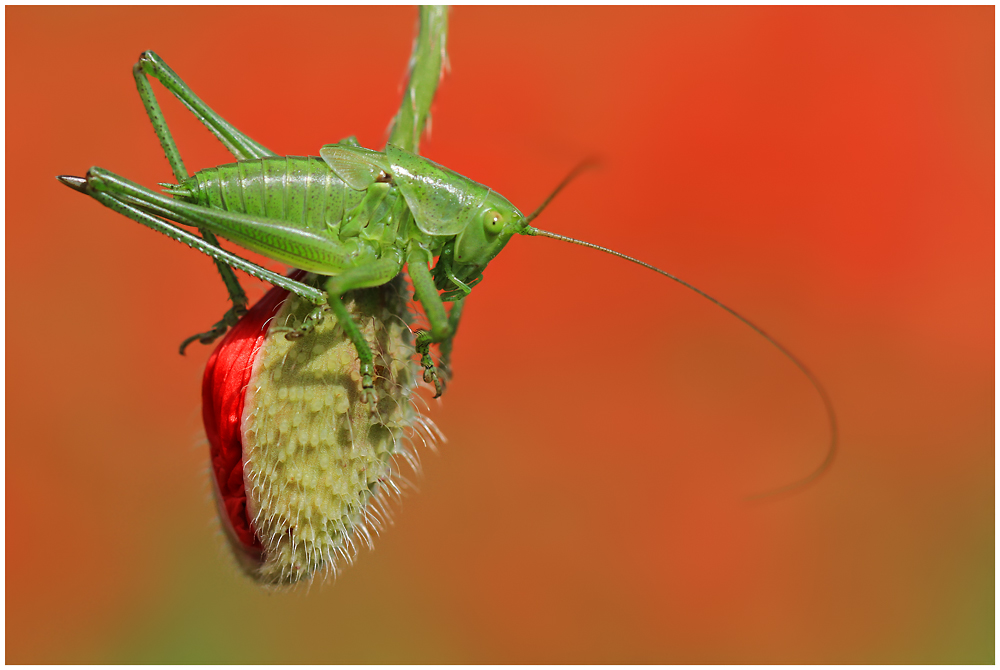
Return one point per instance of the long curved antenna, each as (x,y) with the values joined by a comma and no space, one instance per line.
(827,403)
(587,164)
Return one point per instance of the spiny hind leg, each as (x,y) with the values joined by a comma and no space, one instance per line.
(238,144)
(146,207)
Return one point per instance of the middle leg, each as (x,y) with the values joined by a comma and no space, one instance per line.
(371,274)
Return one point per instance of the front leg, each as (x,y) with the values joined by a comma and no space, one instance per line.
(440,326)
(372,274)
(454,316)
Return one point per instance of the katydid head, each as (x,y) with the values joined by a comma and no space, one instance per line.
(485,236)
(489,229)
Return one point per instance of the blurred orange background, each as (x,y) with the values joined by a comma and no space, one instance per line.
(827,172)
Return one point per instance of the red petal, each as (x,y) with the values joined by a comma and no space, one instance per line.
(223,392)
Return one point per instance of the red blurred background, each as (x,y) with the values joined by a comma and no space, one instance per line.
(826,171)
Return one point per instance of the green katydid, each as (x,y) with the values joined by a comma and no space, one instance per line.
(353,217)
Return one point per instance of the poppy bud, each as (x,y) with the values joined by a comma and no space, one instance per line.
(301,466)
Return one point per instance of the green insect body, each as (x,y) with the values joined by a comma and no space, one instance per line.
(354,217)
(327,215)
(299,212)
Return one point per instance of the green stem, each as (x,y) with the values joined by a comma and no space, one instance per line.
(426,68)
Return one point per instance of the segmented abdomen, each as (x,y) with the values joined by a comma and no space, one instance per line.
(301,190)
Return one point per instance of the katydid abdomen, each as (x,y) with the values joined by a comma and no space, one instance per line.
(305,193)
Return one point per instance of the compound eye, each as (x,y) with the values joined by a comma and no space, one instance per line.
(494,221)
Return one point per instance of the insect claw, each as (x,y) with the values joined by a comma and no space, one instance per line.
(203,338)
(370,397)
(431,377)
(218,330)
(185,343)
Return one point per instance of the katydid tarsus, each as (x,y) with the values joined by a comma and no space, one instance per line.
(352,217)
